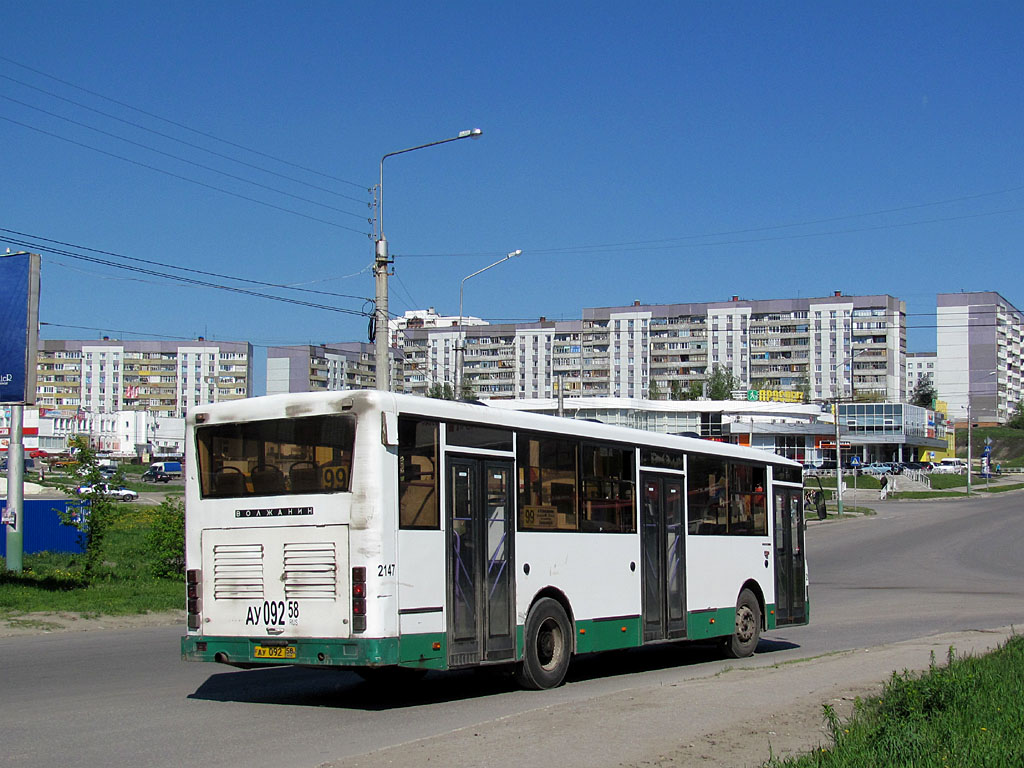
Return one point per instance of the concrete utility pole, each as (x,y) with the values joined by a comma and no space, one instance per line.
(381,264)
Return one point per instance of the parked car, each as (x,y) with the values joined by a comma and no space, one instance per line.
(819,465)
(118,492)
(950,466)
(152,475)
(877,468)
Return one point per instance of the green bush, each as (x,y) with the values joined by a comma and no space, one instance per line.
(166,540)
(968,712)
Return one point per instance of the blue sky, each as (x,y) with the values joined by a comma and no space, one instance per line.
(665,152)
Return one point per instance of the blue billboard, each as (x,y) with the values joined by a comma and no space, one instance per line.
(19,326)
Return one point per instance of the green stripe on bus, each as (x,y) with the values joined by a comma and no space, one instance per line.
(713,623)
(427,651)
(607,634)
(769,616)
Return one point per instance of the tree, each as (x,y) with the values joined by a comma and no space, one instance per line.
(693,391)
(924,393)
(803,386)
(441,392)
(92,512)
(721,382)
(654,391)
(166,539)
(1017,419)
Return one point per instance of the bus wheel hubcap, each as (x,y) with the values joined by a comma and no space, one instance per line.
(744,623)
(549,645)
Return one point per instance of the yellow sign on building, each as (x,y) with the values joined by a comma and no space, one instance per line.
(775,395)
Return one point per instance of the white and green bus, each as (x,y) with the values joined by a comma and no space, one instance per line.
(364,529)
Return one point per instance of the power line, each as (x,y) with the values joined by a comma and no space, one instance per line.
(168,136)
(181,159)
(190,281)
(261,344)
(183,126)
(182,269)
(182,178)
(677,242)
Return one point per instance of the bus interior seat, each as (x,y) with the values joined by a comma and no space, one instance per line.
(304,477)
(229,481)
(267,478)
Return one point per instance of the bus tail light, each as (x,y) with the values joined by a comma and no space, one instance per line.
(194,595)
(359,599)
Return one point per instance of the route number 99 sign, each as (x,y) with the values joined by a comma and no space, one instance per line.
(334,478)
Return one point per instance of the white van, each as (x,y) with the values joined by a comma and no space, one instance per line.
(951,466)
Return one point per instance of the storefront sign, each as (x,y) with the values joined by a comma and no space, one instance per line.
(775,395)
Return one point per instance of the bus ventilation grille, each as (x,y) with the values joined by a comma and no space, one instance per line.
(310,571)
(238,572)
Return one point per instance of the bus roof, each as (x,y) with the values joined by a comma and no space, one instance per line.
(296,405)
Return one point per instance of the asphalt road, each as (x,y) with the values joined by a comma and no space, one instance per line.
(124,697)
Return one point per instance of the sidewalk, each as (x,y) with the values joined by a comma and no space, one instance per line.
(31,489)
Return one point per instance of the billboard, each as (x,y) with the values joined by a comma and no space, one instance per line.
(19,326)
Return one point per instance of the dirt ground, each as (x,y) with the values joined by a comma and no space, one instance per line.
(46,622)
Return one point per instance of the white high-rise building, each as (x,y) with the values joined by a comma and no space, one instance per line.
(163,377)
(978,355)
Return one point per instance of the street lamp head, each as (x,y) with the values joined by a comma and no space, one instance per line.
(474,133)
(517,252)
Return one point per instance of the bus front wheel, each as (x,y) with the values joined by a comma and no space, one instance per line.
(547,640)
(748,626)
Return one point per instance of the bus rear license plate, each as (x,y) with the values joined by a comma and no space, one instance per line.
(274,652)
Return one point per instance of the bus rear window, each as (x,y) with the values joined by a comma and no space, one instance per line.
(276,457)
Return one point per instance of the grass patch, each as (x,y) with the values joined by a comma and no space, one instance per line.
(996,488)
(927,495)
(941,481)
(849,510)
(123,582)
(968,712)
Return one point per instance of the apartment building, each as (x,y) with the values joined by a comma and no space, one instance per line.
(163,377)
(920,365)
(424,318)
(321,367)
(978,355)
(836,346)
(519,361)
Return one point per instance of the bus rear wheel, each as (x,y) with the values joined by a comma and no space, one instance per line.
(547,640)
(748,627)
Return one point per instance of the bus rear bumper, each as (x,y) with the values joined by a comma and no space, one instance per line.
(248,652)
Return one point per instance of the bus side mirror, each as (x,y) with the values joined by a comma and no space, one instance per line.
(819,503)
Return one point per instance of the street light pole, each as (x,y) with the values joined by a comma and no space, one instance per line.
(969,420)
(460,348)
(382,261)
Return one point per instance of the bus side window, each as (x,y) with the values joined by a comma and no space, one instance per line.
(418,505)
